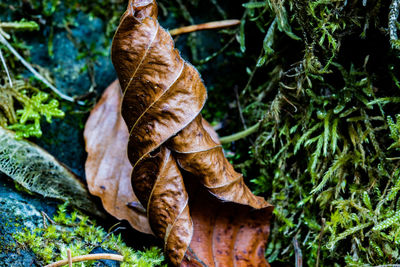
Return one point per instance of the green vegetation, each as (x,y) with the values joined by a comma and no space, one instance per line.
(321,79)
(81,235)
(34,104)
(22,105)
(327,147)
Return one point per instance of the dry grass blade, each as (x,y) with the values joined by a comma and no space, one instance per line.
(3,61)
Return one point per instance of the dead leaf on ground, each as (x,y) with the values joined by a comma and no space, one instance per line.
(37,171)
(107,166)
(225,233)
(169,142)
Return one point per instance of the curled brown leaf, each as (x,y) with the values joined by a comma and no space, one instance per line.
(226,234)
(168,139)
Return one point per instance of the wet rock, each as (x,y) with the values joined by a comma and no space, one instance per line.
(19,211)
(73,53)
(81,60)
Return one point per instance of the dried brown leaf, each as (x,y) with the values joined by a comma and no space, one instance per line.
(168,139)
(226,234)
(107,167)
(39,172)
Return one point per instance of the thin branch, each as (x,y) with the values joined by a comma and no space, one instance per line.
(205,26)
(320,241)
(240,135)
(240,108)
(3,61)
(253,72)
(6,35)
(37,74)
(90,257)
(45,216)
(185,12)
(219,8)
(297,252)
(69,257)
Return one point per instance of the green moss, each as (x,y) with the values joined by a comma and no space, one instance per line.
(327,148)
(325,90)
(81,235)
(23,106)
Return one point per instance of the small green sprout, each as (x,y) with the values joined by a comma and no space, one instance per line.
(33,105)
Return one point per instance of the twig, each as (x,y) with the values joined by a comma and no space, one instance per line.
(240,135)
(253,72)
(111,231)
(69,257)
(287,100)
(219,8)
(319,241)
(185,12)
(37,74)
(44,221)
(6,35)
(240,108)
(45,216)
(297,252)
(90,257)
(195,257)
(3,61)
(205,26)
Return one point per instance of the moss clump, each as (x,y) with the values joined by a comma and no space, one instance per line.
(22,107)
(81,235)
(327,149)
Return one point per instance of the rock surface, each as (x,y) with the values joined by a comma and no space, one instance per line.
(19,211)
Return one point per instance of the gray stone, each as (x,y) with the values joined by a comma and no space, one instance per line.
(19,211)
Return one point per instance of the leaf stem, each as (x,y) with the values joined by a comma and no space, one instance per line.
(240,135)
(3,61)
